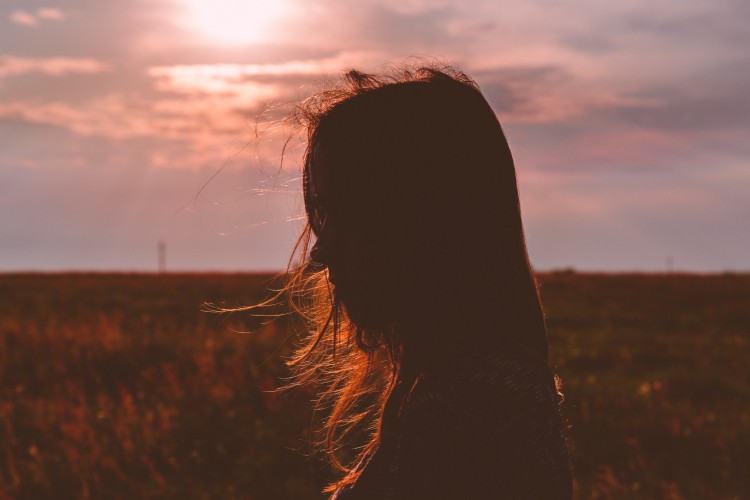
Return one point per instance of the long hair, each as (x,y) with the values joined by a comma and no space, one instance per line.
(418,158)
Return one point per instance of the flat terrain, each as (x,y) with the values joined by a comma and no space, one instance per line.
(119,386)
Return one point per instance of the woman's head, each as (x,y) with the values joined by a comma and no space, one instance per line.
(418,254)
(410,190)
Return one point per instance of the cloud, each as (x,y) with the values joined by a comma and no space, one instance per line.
(202,130)
(117,117)
(33,19)
(549,94)
(55,66)
(240,72)
(678,110)
(50,13)
(198,111)
(23,18)
(254,84)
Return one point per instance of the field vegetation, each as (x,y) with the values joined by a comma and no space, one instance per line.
(119,386)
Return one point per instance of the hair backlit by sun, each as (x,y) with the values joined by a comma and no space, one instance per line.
(232,21)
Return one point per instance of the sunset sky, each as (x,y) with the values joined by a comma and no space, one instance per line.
(629,123)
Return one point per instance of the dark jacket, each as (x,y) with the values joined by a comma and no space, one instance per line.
(486,428)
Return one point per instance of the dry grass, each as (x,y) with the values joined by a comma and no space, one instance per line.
(117,386)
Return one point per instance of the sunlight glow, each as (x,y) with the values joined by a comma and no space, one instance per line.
(232,22)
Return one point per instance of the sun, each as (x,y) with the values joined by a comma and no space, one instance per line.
(233,22)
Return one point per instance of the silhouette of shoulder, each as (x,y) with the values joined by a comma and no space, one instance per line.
(486,427)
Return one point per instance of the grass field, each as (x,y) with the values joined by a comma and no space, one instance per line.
(117,386)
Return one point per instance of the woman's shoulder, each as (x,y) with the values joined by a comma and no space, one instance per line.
(490,423)
(483,375)
(485,399)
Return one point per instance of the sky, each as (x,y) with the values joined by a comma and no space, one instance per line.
(124,123)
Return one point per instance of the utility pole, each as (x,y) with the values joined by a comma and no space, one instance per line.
(162,250)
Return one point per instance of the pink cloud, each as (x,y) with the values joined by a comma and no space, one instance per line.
(221,79)
(50,13)
(631,147)
(195,74)
(187,133)
(204,114)
(10,66)
(23,18)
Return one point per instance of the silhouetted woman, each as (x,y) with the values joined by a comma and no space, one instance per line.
(428,337)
